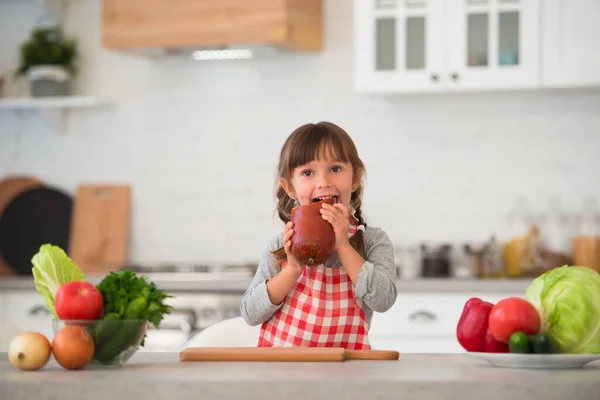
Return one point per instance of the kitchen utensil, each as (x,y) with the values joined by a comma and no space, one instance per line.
(371,355)
(296,354)
(99,232)
(35,217)
(9,189)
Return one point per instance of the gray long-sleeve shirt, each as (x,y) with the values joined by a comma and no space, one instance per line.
(375,285)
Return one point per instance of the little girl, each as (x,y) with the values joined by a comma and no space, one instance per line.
(329,305)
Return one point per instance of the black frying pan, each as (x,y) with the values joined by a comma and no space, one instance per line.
(35,217)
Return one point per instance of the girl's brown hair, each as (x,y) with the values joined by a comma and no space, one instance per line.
(308,143)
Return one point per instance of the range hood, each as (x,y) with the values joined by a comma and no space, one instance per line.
(231,27)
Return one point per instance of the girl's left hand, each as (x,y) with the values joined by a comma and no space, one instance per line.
(338,216)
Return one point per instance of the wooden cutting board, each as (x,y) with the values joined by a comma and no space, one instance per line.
(10,188)
(280,354)
(100,228)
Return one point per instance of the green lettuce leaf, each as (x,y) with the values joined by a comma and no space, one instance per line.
(52,268)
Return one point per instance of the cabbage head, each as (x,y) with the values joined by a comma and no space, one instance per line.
(568,300)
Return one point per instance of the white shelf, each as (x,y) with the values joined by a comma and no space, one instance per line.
(29,103)
(55,109)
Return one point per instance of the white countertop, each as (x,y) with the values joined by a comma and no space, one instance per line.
(413,376)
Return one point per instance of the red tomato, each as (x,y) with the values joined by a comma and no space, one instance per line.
(78,300)
(513,314)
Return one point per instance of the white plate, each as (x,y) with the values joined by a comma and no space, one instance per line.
(537,361)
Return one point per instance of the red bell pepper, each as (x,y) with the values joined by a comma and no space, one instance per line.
(492,345)
(472,327)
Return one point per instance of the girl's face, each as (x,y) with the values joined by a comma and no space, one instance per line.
(321,178)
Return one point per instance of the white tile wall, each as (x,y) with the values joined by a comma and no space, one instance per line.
(199,142)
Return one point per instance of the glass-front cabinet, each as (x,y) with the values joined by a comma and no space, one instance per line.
(399,45)
(446,45)
(493,44)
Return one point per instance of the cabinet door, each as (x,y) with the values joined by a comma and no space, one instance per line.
(493,44)
(422,345)
(398,45)
(27,311)
(426,314)
(570,33)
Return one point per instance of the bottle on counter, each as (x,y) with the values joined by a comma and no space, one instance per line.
(492,259)
(522,249)
(487,259)
(463,265)
(586,242)
(555,236)
(436,261)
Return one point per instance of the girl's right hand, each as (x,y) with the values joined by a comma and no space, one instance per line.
(288,233)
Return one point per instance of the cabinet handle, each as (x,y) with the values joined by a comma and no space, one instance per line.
(435,77)
(455,77)
(421,314)
(37,310)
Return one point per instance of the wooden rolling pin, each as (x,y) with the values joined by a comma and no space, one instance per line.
(371,355)
(294,354)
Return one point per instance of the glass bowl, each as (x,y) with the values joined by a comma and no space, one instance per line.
(115,341)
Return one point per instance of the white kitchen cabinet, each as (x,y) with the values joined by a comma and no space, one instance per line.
(570,32)
(398,47)
(424,322)
(26,310)
(413,345)
(404,46)
(492,44)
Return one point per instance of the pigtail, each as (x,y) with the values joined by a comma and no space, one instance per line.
(284,205)
(284,209)
(357,241)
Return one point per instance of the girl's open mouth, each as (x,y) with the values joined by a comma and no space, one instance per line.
(316,199)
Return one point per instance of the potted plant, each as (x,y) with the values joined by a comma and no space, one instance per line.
(49,60)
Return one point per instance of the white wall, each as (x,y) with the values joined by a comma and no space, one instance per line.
(199,143)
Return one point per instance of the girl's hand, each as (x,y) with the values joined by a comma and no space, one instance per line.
(338,216)
(288,233)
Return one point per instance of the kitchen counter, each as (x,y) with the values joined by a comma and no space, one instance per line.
(414,376)
(197,283)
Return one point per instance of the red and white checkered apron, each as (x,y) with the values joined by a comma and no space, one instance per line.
(320,311)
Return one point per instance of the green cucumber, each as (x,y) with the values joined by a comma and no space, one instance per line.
(127,335)
(542,344)
(519,342)
(104,328)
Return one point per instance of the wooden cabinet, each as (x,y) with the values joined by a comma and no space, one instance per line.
(570,32)
(135,24)
(446,45)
